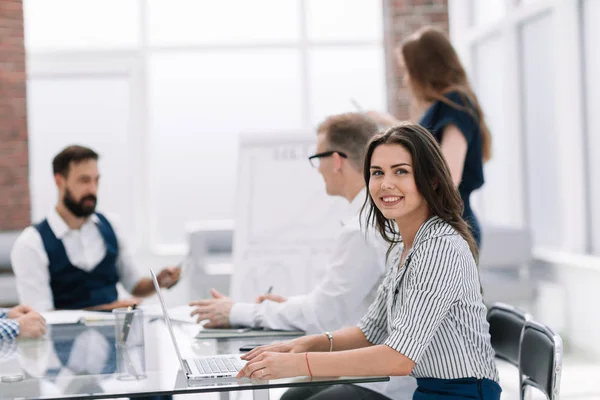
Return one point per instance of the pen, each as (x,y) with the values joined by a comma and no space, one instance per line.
(356,105)
(270,289)
(128,363)
(127,323)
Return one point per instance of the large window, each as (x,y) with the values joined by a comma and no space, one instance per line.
(213,23)
(526,66)
(196,75)
(537,64)
(76,25)
(591,33)
(486,12)
(501,172)
(194,122)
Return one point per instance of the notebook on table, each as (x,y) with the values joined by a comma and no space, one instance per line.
(244,333)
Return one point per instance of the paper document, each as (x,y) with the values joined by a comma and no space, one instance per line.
(62,317)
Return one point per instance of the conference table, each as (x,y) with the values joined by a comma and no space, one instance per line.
(80,361)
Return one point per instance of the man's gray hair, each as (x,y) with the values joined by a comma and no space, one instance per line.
(349,133)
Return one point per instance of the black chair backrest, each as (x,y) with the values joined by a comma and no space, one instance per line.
(506,325)
(540,359)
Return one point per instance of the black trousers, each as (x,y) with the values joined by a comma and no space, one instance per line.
(332,392)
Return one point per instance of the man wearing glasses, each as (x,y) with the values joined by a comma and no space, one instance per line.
(357,262)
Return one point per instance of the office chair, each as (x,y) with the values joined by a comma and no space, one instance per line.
(506,325)
(540,360)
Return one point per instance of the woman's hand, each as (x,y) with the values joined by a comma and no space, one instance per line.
(299,345)
(272,365)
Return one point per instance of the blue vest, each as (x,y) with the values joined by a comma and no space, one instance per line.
(74,288)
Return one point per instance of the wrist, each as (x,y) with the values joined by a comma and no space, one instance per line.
(301,364)
(308,369)
(16,327)
(330,338)
(318,342)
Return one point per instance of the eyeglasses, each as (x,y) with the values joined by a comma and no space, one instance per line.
(316,159)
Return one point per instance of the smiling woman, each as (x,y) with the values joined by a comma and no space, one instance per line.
(406,162)
(429,297)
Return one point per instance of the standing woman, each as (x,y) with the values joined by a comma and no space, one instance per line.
(428,319)
(439,86)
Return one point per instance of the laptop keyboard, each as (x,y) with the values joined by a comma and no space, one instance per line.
(210,365)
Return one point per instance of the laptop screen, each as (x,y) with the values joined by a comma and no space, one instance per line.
(168,321)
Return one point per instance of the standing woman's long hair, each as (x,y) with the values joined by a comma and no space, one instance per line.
(435,70)
(432,177)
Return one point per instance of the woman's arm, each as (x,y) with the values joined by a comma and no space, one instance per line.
(454,148)
(343,339)
(348,339)
(379,360)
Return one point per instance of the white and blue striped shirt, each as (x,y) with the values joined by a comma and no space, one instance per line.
(431,310)
(9,329)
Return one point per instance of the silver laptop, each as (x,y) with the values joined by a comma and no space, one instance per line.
(205,367)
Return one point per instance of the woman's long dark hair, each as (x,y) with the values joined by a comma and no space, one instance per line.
(435,70)
(432,177)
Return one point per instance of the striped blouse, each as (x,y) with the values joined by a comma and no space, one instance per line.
(431,310)
(9,329)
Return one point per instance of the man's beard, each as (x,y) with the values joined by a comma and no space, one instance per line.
(79,209)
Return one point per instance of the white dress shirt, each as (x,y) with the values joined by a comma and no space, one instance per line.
(356,267)
(85,248)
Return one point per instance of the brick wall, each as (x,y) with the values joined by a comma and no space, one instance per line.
(14,185)
(401,18)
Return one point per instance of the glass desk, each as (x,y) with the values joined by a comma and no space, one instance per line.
(78,361)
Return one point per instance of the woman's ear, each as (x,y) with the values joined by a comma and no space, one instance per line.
(436,183)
